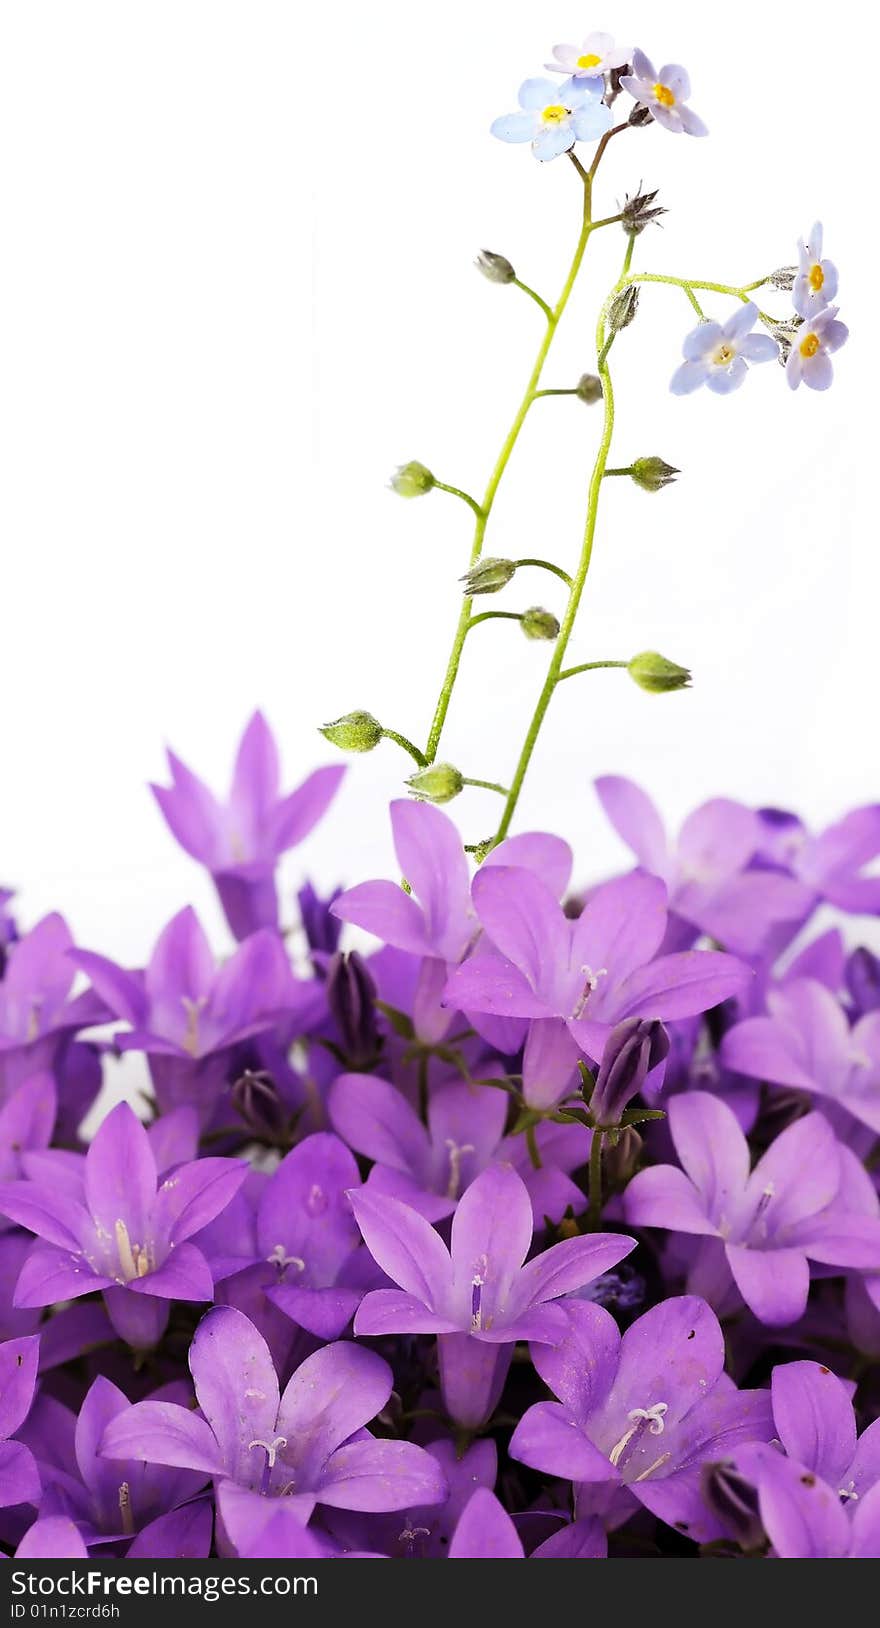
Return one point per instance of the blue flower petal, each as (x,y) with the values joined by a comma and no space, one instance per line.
(723,382)
(591,122)
(515,126)
(702,339)
(688,377)
(553,140)
(537,93)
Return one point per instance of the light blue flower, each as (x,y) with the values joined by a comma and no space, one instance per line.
(665,94)
(718,355)
(816,282)
(553,116)
(809,358)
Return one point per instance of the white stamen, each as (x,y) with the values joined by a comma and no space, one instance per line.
(125,1509)
(848,1493)
(270,1448)
(651,1416)
(591,980)
(282,1260)
(663,1459)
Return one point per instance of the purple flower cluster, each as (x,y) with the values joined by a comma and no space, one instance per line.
(535,1224)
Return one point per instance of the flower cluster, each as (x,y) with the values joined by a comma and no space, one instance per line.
(540,1227)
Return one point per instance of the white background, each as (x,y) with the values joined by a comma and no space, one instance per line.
(237,288)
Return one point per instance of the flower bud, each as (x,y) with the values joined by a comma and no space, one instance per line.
(623,308)
(640,115)
(654,673)
(638,211)
(620,1159)
(589,388)
(412,480)
(652,474)
(783,278)
(321,927)
(633,1048)
(438,783)
(351,997)
(356,732)
(495,267)
(862,978)
(255,1097)
(734,1501)
(537,623)
(487,576)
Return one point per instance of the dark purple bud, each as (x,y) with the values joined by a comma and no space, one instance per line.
(623,1289)
(632,1050)
(734,1501)
(321,929)
(256,1098)
(863,981)
(351,997)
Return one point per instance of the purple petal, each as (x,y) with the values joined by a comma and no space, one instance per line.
(298,813)
(814,1418)
(382,1475)
(570,1265)
(194,1194)
(548,1440)
(121,1175)
(183,1275)
(491,1236)
(485,1531)
(376,1119)
(53,1538)
(487,982)
(191,811)
(182,1534)
(635,819)
(621,927)
(333,1394)
(526,923)
(435,865)
(236,1385)
(391,1311)
(712,1149)
(404,1245)
(18,1377)
(163,1433)
(382,908)
(681,985)
(548,857)
(662,1196)
(774,1283)
(50,1275)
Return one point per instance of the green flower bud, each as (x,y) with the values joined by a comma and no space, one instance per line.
(652,672)
(623,308)
(487,576)
(538,623)
(495,267)
(438,783)
(652,474)
(589,388)
(356,732)
(412,480)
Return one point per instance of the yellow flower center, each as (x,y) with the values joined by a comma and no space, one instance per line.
(816,278)
(664,96)
(724,356)
(589,62)
(555,115)
(809,346)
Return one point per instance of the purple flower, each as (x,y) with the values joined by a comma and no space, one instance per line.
(806,1043)
(485,1531)
(37,1015)
(298,1228)
(321,928)
(641,1412)
(240,841)
(429,1167)
(770,1222)
(436,920)
(576,979)
(19,1477)
(307,1445)
(706,871)
(478,1296)
(819,1499)
(553,116)
(187,1014)
(110,1501)
(109,1224)
(812,346)
(26,1124)
(665,93)
(717,354)
(816,282)
(832,863)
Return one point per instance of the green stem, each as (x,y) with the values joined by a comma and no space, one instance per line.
(547,565)
(690,283)
(571,391)
(456,491)
(486,785)
(401,740)
(577,588)
(594,1214)
(532,1145)
(589,667)
(491,616)
(534,295)
(627,471)
(553,321)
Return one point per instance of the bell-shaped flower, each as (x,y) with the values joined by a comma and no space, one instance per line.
(575,980)
(38,1016)
(241,840)
(836,863)
(110,1224)
(640,1413)
(479,1295)
(307,1444)
(770,1222)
